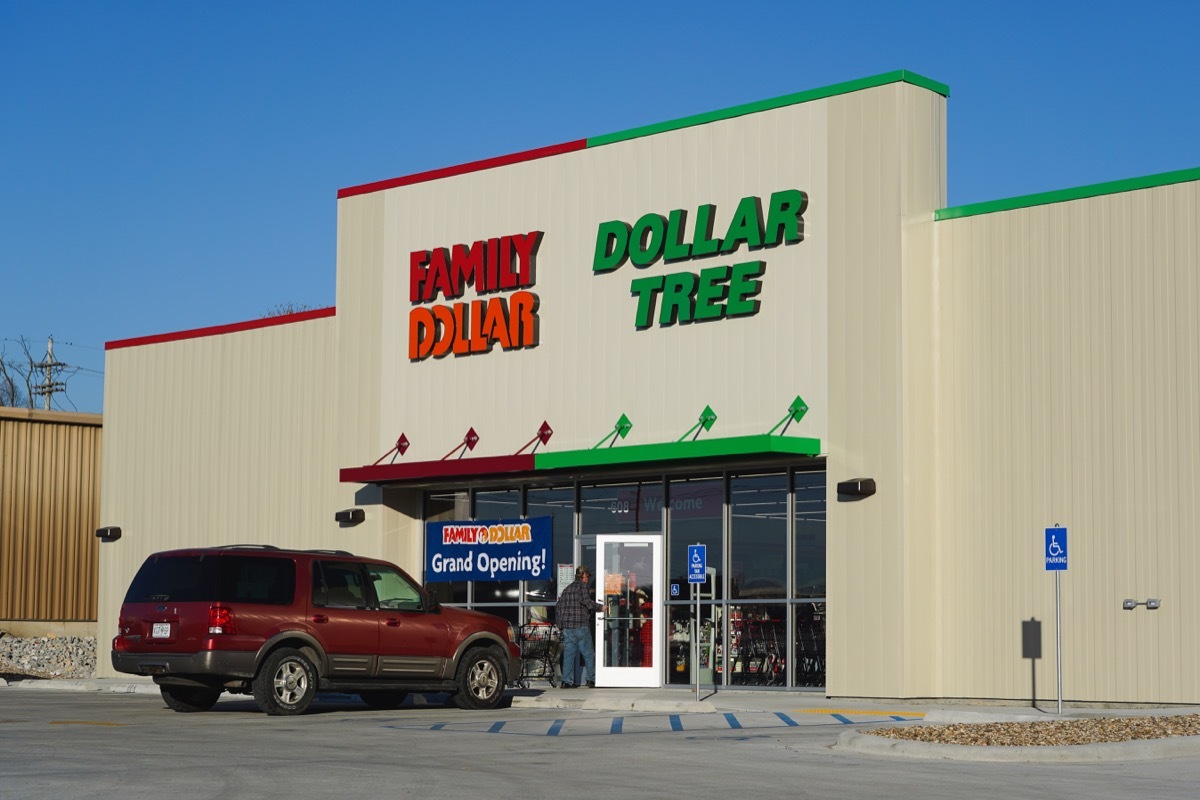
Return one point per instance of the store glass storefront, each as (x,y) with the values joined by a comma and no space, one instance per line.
(761,606)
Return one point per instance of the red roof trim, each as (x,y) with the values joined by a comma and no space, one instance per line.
(217,330)
(462,169)
(450,468)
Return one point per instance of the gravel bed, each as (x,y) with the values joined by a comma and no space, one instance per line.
(1051,733)
(69,657)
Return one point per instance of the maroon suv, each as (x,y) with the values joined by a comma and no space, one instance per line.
(285,624)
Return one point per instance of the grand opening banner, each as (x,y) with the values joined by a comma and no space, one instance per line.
(488,550)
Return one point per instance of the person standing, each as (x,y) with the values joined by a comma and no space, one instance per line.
(574,616)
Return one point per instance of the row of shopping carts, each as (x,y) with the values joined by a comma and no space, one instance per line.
(758,655)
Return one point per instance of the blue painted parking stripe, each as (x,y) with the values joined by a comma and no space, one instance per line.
(643,723)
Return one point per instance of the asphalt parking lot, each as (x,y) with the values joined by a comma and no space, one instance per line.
(88,742)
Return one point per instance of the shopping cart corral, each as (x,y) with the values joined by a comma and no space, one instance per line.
(541,654)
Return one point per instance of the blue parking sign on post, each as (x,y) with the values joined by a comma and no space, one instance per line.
(696,563)
(1056,549)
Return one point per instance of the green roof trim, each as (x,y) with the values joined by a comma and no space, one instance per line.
(1063,195)
(758,444)
(898,76)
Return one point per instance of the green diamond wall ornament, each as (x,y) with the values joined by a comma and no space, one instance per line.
(707,418)
(796,412)
(798,409)
(623,426)
(621,429)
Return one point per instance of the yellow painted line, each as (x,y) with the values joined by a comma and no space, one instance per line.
(868,712)
(87,722)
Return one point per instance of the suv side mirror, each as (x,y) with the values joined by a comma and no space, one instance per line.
(431,602)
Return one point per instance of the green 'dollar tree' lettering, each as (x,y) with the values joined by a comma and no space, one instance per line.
(654,236)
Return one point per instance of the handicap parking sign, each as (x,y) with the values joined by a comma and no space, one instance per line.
(1056,549)
(696,563)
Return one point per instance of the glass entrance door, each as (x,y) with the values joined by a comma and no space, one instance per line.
(628,642)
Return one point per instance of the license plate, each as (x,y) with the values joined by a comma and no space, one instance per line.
(160,630)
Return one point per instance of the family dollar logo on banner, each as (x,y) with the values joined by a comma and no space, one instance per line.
(488,550)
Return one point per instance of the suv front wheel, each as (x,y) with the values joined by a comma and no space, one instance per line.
(286,683)
(480,679)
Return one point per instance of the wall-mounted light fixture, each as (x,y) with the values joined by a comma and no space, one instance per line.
(857,487)
(109,534)
(1151,603)
(350,516)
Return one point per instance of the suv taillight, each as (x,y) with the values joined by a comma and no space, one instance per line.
(220,620)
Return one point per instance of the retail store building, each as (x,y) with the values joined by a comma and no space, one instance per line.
(760,330)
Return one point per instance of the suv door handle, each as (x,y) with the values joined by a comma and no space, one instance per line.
(320,618)
(393,622)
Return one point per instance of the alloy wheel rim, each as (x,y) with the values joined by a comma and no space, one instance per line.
(484,679)
(291,682)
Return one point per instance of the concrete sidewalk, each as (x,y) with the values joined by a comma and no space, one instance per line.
(731,701)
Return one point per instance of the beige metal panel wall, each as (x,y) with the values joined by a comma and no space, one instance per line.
(219,440)
(1070,345)
(49,507)
(592,364)
(357,438)
(887,176)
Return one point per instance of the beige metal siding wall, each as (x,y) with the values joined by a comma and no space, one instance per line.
(219,440)
(358,363)
(592,363)
(49,507)
(1070,346)
(887,176)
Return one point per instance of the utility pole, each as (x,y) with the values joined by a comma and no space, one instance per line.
(50,368)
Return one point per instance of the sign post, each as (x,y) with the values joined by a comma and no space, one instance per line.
(696,572)
(1056,562)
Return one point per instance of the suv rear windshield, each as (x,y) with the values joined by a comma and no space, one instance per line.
(209,578)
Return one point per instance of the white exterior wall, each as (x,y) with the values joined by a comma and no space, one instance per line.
(592,364)
(1069,348)
(887,175)
(994,374)
(215,440)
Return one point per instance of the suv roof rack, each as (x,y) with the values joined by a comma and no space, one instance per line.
(330,552)
(246,547)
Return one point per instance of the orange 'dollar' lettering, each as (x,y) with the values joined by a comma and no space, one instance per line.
(474,327)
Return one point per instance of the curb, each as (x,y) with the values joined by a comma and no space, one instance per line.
(84,686)
(613,704)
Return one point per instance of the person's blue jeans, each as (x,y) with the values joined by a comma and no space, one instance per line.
(576,642)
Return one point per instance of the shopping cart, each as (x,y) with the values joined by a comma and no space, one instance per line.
(541,654)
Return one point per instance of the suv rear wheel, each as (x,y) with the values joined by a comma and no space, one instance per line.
(189,698)
(480,679)
(286,683)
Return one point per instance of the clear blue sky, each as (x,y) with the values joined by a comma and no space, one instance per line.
(173,165)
